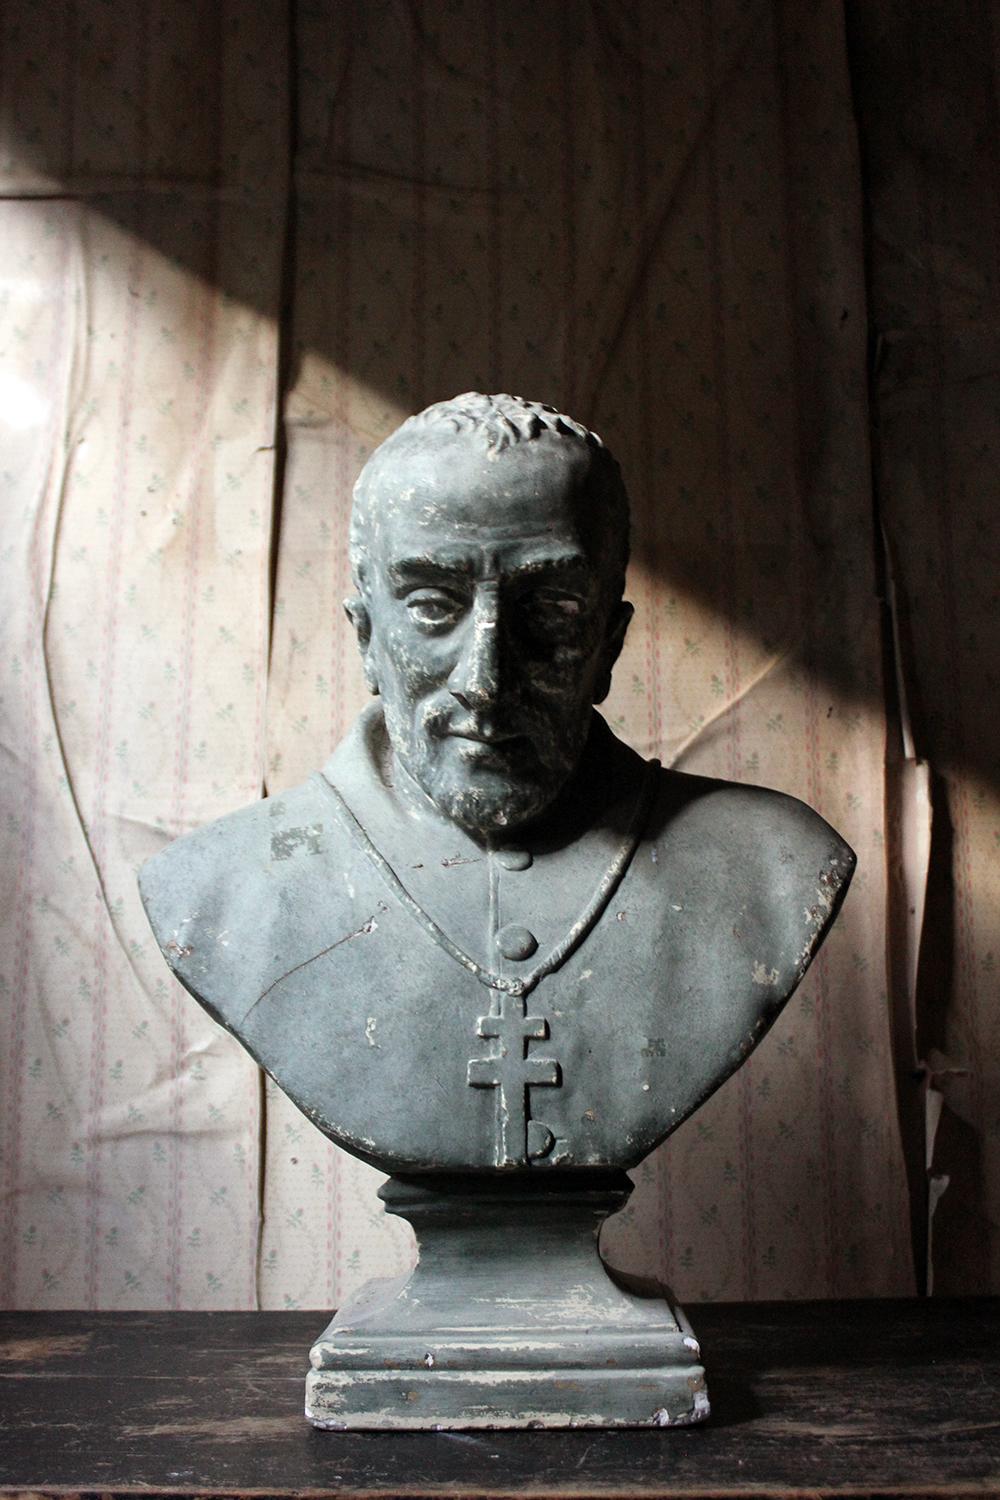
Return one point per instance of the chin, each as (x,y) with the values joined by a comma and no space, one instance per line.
(484,809)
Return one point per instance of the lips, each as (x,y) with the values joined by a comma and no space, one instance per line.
(481,734)
(511,740)
(489,747)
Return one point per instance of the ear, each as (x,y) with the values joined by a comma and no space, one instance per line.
(614,640)
(357,612)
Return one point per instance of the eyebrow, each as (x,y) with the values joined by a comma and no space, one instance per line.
(409,570)
(406,571)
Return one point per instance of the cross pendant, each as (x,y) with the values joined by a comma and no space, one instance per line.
(508,1069)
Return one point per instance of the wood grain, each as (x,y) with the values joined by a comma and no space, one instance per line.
(808,1399)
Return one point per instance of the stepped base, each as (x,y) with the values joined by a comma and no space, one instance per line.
(510,1319)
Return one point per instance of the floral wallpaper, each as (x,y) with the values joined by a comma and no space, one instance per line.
(235,254)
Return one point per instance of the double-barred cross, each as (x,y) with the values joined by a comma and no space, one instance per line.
(510,1071)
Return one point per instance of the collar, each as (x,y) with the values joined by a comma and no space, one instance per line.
(511,913)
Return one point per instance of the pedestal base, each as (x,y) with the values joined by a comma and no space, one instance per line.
(510,1319)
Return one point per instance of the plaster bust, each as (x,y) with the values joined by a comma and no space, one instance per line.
(489,935)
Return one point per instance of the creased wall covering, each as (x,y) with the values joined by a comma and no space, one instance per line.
(144,188)
(933,178)
(237,248)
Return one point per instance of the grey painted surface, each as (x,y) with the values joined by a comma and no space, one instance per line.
(489,947)
(324,961)
(510,1320)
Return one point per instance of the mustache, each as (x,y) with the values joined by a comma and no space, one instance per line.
(490,726)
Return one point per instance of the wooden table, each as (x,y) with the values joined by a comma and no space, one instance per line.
(857,1398)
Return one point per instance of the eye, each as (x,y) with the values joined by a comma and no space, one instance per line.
(433,609)
(555,606)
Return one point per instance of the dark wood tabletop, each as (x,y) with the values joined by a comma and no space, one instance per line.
(808,1399)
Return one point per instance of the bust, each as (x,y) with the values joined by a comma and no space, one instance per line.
(488,944)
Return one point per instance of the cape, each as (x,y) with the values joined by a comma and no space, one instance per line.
(562,1000)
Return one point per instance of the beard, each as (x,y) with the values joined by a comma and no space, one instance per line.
(485,805)
(489,774)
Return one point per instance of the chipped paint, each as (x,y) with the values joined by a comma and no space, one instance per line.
(286,841)
(42,1349)
(227,1429)
(490,734)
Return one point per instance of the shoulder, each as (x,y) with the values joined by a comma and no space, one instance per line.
(735,847)
(245,846)
(759,859)
(215,897)
(756,822)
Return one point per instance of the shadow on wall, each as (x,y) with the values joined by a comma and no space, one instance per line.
(926,87)
(621,218)
(655,226)
(650,218)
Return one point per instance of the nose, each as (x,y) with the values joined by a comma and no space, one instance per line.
(475,679)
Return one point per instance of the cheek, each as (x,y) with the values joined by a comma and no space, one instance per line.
(416,666)
(566,674)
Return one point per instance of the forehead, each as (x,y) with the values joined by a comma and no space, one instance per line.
(448,493)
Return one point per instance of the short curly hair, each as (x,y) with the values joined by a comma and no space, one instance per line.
(500,422)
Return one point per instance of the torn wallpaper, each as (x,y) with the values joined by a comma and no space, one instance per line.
(235,254)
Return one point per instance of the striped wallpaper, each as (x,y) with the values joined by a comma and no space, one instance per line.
(235,254)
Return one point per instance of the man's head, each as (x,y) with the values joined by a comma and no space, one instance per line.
(489,540)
